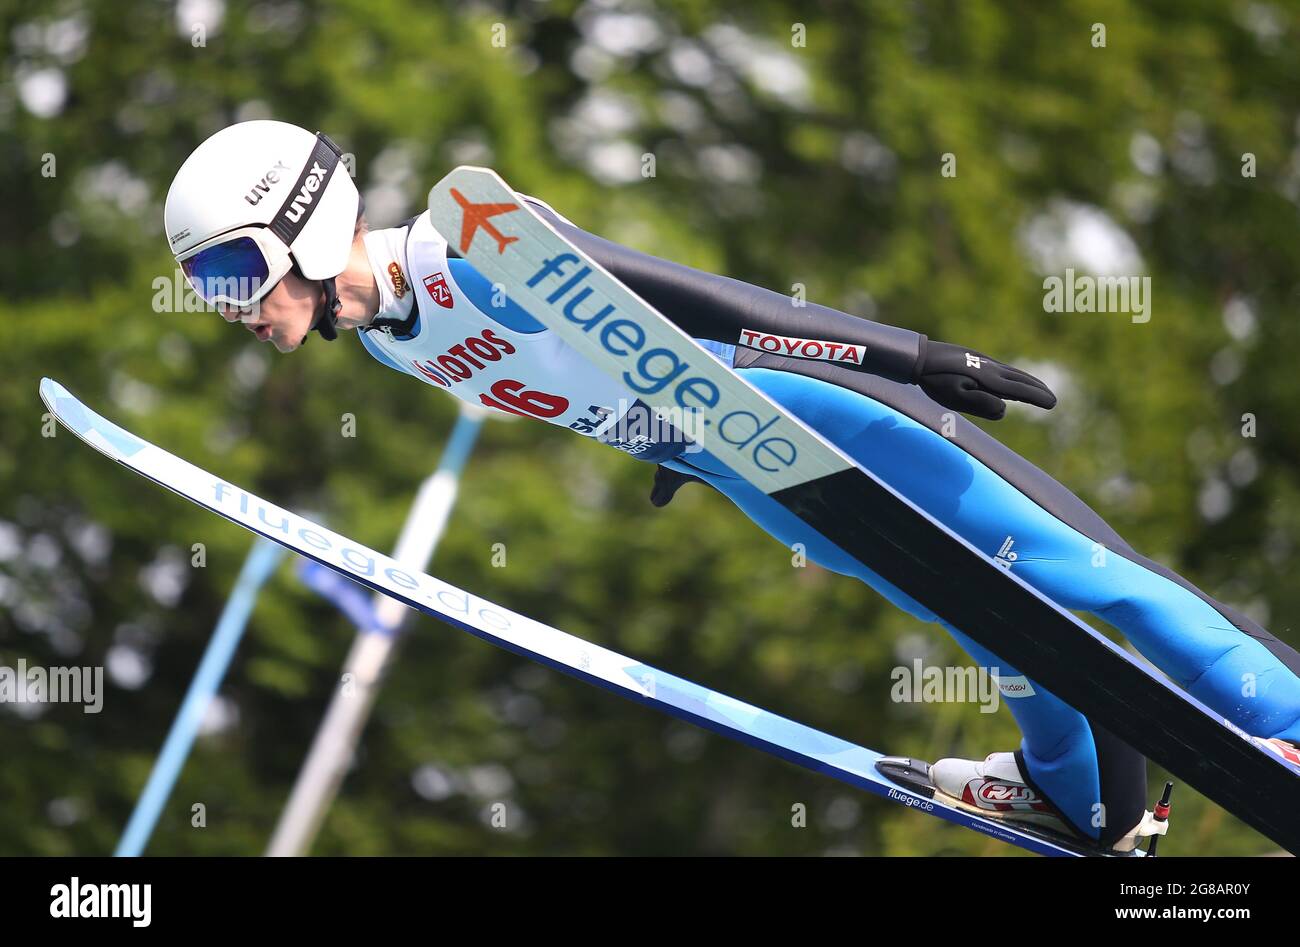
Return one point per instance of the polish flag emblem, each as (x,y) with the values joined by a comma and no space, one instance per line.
(438,289)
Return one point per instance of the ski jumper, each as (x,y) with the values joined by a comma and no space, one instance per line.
(853,381)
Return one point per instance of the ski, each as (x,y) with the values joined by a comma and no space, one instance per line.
(558,284)
(576,657)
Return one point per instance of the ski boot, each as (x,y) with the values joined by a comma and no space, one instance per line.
(995,789)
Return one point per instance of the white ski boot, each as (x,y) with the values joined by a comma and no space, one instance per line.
(996,789)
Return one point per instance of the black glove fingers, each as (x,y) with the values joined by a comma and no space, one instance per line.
(1032,392)
(1020,375)
(963,393)
(983,404)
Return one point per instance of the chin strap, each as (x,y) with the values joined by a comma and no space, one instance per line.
(326,323)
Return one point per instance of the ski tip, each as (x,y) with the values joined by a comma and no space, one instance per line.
(464,175)
(51,391)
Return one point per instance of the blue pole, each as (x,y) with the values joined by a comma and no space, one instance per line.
(378,631)
(460,443)
(261,562)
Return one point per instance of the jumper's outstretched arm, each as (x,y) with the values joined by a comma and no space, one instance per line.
(721,309)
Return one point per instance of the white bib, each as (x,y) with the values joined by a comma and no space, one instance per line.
(507,362)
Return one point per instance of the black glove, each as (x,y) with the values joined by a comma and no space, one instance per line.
(667,483)
(973,383)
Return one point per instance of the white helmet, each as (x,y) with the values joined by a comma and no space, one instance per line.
(256,200)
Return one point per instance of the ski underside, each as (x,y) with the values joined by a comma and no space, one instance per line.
(779,736)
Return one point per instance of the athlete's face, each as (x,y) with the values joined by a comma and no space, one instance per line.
(283,316)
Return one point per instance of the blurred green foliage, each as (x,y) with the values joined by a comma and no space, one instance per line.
(776,162)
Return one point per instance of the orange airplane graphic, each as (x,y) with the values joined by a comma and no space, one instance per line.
(476,216)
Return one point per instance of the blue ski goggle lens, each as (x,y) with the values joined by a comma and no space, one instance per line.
(236,270)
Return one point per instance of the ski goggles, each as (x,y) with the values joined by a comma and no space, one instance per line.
(238,267)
